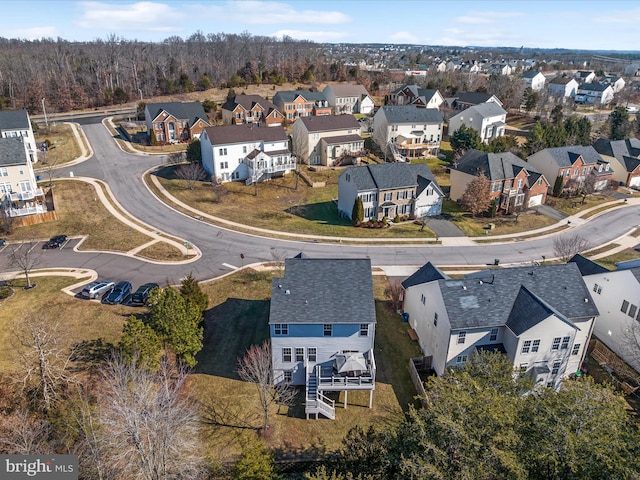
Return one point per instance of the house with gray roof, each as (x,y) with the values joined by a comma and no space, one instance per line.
(563,86)
(514,183)
(301,103)
(539,316)
(414,95)
(464,100)
(488,119)
(624,158)
(174,122)
(595,93)
(390,189)
(16,123)
(347,98)
(534,79)
(322,323)
(243,109)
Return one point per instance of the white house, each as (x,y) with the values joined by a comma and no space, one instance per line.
(596,93)
(390,189)
(16,123)
(414,131)
(322,323)
(327,140)
(412,94)
(617,83)
(540,317)
(563,86)
(488,119)
(535,80)
(585,76)
(348,98)
(245,152)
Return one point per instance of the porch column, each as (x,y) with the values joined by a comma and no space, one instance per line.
(346,392)
(370,398)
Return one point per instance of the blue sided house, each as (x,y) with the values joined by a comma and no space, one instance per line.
(322,324)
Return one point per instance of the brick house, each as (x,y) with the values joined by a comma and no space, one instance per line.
(251,109)
(301,103)
(414,95)
(174,122)
(624,158)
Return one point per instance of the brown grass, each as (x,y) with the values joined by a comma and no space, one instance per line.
(63,146)
(610,261)
(162,251)
(574,205)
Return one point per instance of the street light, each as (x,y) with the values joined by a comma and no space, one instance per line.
(46,123)
(140,90)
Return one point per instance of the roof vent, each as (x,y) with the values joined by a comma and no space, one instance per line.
(480,282)
(586,300)
(287,292)
(280,286)
(464,287)
(306,302)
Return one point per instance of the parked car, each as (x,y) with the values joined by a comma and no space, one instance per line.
(55,242)
(141,295)
(119,293)
(97,289)
(3,242)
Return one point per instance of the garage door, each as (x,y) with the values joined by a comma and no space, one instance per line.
(634,182)
(535,200)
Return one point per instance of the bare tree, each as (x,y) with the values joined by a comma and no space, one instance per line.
(219,190)
(6,222)
(176,157)
(256,367)
(395,293)
(22,433)
(566,246)
(150,427)
(191,173)
(25,257)
(477,196)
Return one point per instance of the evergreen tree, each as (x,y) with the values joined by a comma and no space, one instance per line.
(152,138)
(557,186)
(194,151)
(536,141)
(357,213)
(530,99)
(191,292)
(140,342)
(619,123)
(465,138)
(255,464)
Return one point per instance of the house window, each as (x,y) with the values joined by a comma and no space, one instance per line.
(556,343)
(328,330)
(565,343)
(224,165)
(280,329)
(462,336)
(519,184)
(493,335)
(625,306)
(299,354)
(388,196)
(526,346)
(523,367)
(364,329)
(5,187)
(21,170)
(288,376)
(632,311)
(244,149)
(423,299)
(435,319)
(575,349)
(312,354)
(461,359)
(222,151)
(4,172)
(286,354)
(597,288)
(556,367)
(495,187)
(535,346)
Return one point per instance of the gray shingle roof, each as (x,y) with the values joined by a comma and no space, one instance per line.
(248,102)
(191,111)
(323,291)
(485,110)
(495,166)
(475,302)
(386,176)
(225,135)
(530,73)
(586,266)
(411,114)
(341,139)
(593,87)
(472,98)
(14,120)
(347,90)
(561,80)
(291,95)
(527,311)
(327,123)
(12,152)
(566,156)
(425,274)
(619,149)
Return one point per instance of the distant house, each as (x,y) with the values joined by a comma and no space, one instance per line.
(464,100)
(19,192)
(499,69)
(514,182)
(413,95)
(174,122)
(390,189)
(16,123)
(243,109)
(410,130)
(535,80)
(540,317)
(301,103)
(596,93)
(575,164)
(585,76)
(327,140)
(488,119)
(246,152)
(632,70)
(322,324)
(348,99)
(563,87)
(617,83)
(624,158)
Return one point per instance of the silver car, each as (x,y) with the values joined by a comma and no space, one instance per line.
(97,289)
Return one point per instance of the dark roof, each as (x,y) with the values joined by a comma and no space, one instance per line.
(326,123)
(594,87)
(630,163)
(561,80)
(527,311)
(485,110)
(248,102)
(530,73)
(227,134)
(411,114)
(291,95)
(190,111)
(629,147)
(341,139)
(586,266)
(567,156)
(473,303)
(425,274)
(495,166)
(472,98)
(323,291)
(12,152)
(14,120)
(386,176)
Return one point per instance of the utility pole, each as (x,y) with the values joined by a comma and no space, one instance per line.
(46,123)
(140,90)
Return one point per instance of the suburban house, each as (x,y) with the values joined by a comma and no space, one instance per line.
(540,317)
(514,183)
(575,164)
(464,100)
(624,158)
(322,323)
(488,119)
(19,192)
(407,131)
(246,152)
(585,76)
(563,86)
(301,103)
(534,79)
(348,98)
(499,69)
(632,70)
(616,294)
(174,122)
(617,83)
(327,140)
(596,93)
(251,109)
(390,189)
(16,123)
(414,95)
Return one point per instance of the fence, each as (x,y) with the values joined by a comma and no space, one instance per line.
(421,364)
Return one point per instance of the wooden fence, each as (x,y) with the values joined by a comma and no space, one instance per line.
(419,364)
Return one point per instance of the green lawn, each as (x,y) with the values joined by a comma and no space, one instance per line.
(574,205)
(610,261)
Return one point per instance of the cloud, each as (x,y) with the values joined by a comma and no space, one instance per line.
(31,33)
(484,18)
(620,16)
(140,16)
(319,37)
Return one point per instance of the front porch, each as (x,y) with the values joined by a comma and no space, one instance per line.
(260,169)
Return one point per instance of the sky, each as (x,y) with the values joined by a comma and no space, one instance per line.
(570,24)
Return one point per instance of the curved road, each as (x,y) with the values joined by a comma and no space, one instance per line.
(222,248)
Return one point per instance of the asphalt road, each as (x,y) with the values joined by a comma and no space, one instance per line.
(222,248)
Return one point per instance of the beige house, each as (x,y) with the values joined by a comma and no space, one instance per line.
(327,140)
(16,123)
(348,98)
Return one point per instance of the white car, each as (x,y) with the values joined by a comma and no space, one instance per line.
(97,289)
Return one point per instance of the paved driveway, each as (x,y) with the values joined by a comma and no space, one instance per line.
(551,212)
(443,228)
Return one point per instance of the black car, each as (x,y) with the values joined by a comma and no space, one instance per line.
(119,293)
(141,295)
(55,242)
